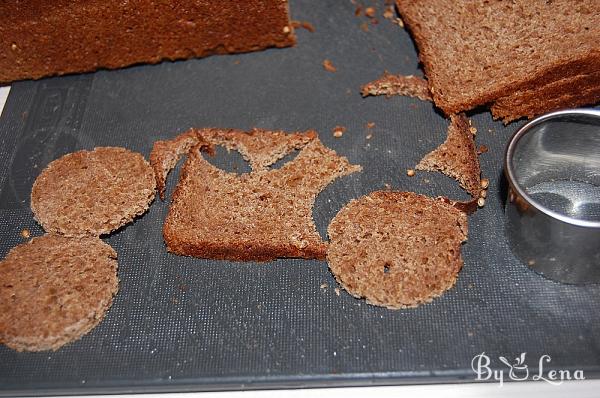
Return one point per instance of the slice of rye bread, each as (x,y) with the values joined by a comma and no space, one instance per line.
(457,156)
(564,93)
(256,216)
(388,84)
(54,290)
(113,33)
(396,249)
(92,192)
(477,51)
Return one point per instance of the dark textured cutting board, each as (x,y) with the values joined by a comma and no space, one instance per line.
(189,324)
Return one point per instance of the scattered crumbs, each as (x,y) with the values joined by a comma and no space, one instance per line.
(370,125)
(481,202)
(364,27)
(25,233)
(482,149)
(337,291)
(389,13)
(531,263)
(304,25)
(338,131)
(324,286)
(410,172)
(483,193)
(358,11)
(370,12)
(426,180)
(473,130)
(484,183)
(286,29)
(329,66)
(369,136)
(470,334)
(387,186)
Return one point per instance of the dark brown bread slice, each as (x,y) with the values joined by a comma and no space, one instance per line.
(261,215)
(477,51)
(54,290)
(388,84)
(92,192)
(457,156)
(564,93)
(113,33)
(396,249)
(166,154)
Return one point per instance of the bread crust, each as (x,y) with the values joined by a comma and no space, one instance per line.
(54,290)
(113,34)
(396,249)
(388,85)
(257,216)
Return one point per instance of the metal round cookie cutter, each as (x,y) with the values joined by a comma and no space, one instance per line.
(552,165)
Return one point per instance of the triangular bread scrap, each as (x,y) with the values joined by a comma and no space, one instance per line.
(457,156)
(256,216)
(388,84)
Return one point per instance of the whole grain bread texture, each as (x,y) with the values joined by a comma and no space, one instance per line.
(457,156)
(396,249)
(561,94)
(257,216)
(389,84)
(92,192)
(54,290)
(112,34)
(477,51)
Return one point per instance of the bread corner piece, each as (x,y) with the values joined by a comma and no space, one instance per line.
(112,34)
(257,216)
(476,52)
(457,156)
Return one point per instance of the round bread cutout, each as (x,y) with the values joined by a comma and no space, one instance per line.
(92,192)
(396,249)
(55,289)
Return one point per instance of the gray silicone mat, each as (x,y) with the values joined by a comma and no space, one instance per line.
(190,324)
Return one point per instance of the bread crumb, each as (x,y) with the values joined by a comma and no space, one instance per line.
(369,136)
(25,233)
(473,130)
(328,65)
(484,183)
(337,291)
(338,131)
(286,29)
(483,193)
(389,13)
(482,149)
(387,186)
(410,172)
(324,286)
(370,12)
(358,11)
(531,263)
(481,202)
(400,22)
(303,24)
(370,125)
(364,27)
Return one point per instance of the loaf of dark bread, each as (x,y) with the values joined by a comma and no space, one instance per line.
(41,38)
(476,52)
(256,216)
